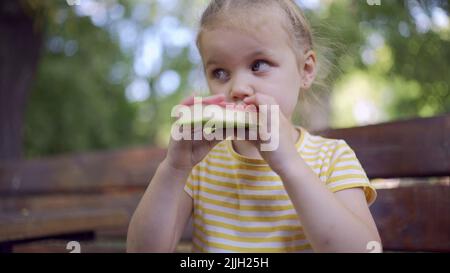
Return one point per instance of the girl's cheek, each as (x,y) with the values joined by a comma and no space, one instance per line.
(216,91)
(212,88)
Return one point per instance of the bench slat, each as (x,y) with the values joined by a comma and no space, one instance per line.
(412,148)
(18,214)
(415,218)
(16,226)
(126,201)
(84,173)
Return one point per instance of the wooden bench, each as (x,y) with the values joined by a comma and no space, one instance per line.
(92,196)
(75,197)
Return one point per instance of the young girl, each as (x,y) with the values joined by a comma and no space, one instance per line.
(309,194)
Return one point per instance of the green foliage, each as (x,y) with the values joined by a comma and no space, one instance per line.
(410,64)
(75,106)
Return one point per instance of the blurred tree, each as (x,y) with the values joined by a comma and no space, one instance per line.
(98,84)
(416,50)
(74,106)
(19,51)
(402,48)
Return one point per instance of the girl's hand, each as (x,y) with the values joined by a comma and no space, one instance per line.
(183,154)
(282,148)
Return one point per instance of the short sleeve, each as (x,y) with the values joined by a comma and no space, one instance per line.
(346,172)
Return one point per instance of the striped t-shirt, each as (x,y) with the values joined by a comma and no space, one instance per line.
(240,204)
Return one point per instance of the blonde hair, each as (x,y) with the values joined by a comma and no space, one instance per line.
(218,12)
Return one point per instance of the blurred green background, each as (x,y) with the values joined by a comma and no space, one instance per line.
(108,72)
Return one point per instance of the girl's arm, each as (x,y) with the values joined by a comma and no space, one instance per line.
(162,214)
(333,222)
(164,210)
(338,222)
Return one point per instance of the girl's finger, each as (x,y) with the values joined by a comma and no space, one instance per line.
(260,99)
(188,101)
(216,99)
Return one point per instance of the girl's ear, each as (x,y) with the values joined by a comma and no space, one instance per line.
(309,69)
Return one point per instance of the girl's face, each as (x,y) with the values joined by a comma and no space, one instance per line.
(240,64)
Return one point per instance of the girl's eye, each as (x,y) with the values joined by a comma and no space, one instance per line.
(260,66)
(220,74)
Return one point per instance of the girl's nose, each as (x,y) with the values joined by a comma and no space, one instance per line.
(240,90)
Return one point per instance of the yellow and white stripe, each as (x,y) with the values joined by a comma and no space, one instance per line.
(240,204)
